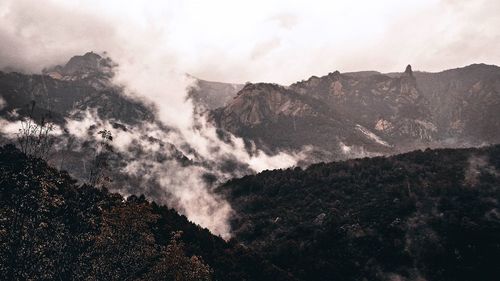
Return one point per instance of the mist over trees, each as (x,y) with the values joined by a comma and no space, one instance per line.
(52,228)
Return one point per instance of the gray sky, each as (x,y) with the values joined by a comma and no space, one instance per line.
(238,41)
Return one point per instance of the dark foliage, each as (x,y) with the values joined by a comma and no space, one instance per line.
(424,215)
(53,229)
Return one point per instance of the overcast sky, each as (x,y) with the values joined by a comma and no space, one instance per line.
(238,41)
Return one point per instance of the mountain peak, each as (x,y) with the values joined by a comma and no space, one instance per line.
(89,62)
(79,67)
(335,74)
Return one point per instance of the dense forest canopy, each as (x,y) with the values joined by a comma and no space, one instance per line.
(431,214)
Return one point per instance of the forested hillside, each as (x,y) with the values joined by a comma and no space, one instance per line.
(53,229)
(424,215)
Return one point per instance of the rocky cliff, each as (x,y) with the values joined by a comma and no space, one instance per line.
(370,112)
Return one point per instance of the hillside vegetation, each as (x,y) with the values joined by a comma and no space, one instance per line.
(424,215)
(53,229)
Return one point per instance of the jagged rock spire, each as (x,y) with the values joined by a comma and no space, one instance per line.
(408,70)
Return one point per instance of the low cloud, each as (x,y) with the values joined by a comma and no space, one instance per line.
(478,164)
(169,165)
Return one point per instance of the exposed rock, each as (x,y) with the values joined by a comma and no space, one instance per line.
(383,125)
(91,68)
(408,70)
(408,110)
(320,219)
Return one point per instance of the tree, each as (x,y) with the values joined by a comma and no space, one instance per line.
(34,138)
(174,265)
(100,159)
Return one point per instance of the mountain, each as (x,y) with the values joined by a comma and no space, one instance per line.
(86,67)
(275,116)
(333,117)
(369,113)
(424,215)
(81,99)
(212,95)
(82,83)
(80,96)
(464,102)
(54,229)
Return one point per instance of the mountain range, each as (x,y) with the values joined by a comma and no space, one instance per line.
(81,98)
(345,115)
(336,116)
(428,214)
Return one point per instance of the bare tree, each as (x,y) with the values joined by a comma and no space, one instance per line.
(34,138)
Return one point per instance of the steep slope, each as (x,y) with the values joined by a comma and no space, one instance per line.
(424,215)
(83,83)
(341,115)
(81,100)
(52,229)
(276,117)
(391,107)
(464,102)
(374,113)
(81,96)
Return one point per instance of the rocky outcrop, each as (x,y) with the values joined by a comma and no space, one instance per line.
(371,98)
(91,68)
(80,66)
(259,103)
(405,110)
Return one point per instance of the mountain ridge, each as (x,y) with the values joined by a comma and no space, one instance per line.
(407,110)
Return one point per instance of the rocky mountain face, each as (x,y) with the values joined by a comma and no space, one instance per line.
(391,107)
(464,102)
(366,113)
(276,116)
(90,67)
(81,96)
(83,83)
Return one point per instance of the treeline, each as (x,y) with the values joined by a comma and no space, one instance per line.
(53,229)
(424,215)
